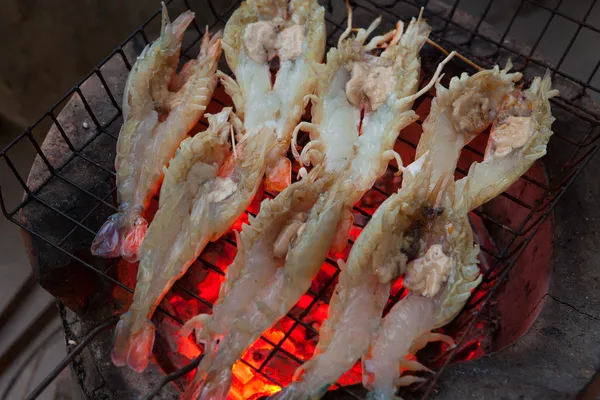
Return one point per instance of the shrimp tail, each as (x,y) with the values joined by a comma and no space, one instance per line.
(121,235)
(107,241)
(132,348)
(132,239)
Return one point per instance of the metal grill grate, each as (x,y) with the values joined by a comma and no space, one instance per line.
(453,30)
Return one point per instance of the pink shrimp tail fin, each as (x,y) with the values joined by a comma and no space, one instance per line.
(107,242)
(120,236)
(132,348)
(132,239)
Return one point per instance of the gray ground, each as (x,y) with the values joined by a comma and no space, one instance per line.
(48,46)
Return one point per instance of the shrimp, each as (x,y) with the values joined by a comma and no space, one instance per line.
(305,253)
(262,245)
(277,266)
(190,200)
(358,300)
(384,247)
(258,31)
(227,191)
(146,145)
(445,272)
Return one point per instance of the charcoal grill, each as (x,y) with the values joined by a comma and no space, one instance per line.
(70,191)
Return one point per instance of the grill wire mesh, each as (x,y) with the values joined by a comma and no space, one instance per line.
(451,32)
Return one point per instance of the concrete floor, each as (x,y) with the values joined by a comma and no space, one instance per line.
(56,45)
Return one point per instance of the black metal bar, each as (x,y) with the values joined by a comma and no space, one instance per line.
(108,92)
(43,184)
(302,315)
(581,23)
(12,167)
(194,22)
(481,19)
(574,37)
(86,216)
(211,7)
(87,107)
(450,15)
(546,26)
(125,60)
(512,21)
(171,377)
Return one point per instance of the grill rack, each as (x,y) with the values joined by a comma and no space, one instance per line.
(447,25)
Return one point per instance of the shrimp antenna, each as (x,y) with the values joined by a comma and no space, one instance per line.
(380,40)
(397,34)
(349,28)
(233,141)
(458,55)
(434,79)
(364,34)
(205,43)
(165,21)
(420,17)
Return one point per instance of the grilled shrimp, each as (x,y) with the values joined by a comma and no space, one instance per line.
(279,257)
(272,301)
(369,156)
(258,31)
(445,271)
(227,194)
(146,145)
(191,199)
(383,249)
(358,300)
(269,112)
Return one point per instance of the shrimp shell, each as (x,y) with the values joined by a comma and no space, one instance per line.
(184,209)
(484,181)
(145,145)
(281,104)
